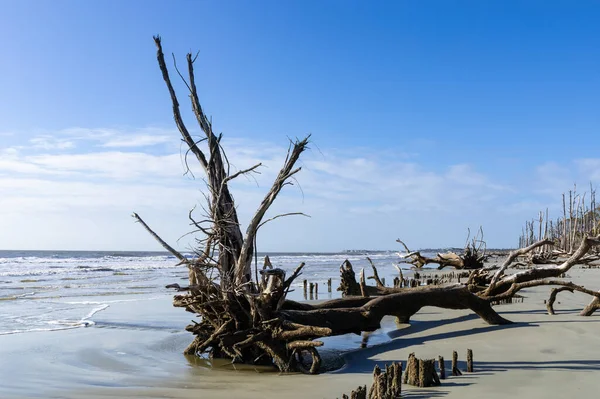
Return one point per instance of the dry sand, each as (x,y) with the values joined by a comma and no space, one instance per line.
(537,356)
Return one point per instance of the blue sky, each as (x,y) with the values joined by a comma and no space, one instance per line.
(428,117)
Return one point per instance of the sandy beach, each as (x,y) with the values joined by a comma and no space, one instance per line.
(138,354)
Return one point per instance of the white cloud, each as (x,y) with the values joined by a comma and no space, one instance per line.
(357,197)
(51,143)
(112,138)
(138,140)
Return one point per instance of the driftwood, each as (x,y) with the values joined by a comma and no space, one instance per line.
(420,372)
(473,256)
(442,368)
(386,384)
(349,286)
(552,299)
(244,315)
(455,370)
(469,360)
(359,393)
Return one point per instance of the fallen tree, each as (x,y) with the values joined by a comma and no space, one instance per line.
(472,257)
(245,316)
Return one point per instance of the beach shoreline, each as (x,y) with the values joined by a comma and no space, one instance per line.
(135,350)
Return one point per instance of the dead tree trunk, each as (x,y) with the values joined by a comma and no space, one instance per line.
(472,257)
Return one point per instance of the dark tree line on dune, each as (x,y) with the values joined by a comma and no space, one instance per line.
(242,312)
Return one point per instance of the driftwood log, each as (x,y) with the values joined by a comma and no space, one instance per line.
(473,256)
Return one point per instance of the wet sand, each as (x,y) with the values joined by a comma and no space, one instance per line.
(135,351)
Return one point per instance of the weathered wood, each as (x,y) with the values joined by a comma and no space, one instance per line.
(552,298)
(472,257)
(455,370)
(442,368)
(591,307)
(411,374)
(420,372)
(359,393)
(469,360)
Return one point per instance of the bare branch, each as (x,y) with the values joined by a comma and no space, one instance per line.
(176,113)
(280,216)
(511,257)
(286,171)
(375,274)
(160,240)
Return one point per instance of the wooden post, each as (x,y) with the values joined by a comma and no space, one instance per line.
(411,375)
(455,369)
(305,284)
(423,375)
(469,360)
(316,290)
(386,385)
(427,375)
(395,379)
(329,285)
(311,289)
(442,368)
(359,393)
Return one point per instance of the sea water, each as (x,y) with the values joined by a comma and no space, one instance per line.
(56,290)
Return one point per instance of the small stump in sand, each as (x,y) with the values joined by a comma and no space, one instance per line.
(421,372)
(386,384)
(455,370)
(442,367)
(469,360)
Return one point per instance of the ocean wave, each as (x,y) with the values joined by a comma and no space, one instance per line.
(111,301)
(14,297)
(61,324)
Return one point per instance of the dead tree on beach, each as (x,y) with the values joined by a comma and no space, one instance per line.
(580,218)
(472,257)
(493,284)
(243,314)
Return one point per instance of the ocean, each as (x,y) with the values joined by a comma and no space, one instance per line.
(42,291)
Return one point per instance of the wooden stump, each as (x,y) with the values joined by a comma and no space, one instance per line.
(386,385)
(411,375)
(455,370)
(420,373)
(305,288)
(442,368)
(329,285)
(359,393)
(394,379)
(427,375)
(469,360)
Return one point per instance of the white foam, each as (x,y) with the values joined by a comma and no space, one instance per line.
(111,301)
(58,325)
(37,330)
